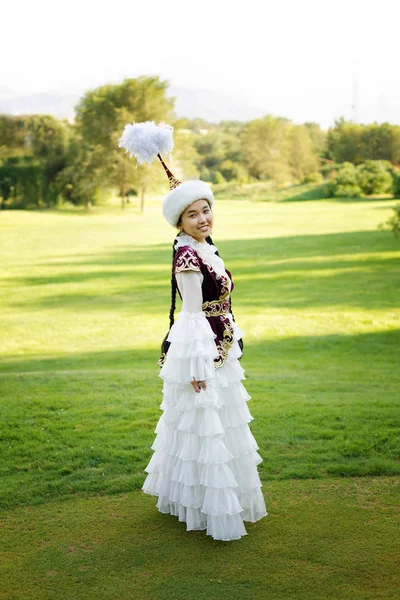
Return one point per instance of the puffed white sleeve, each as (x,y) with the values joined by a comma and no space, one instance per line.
(193,349)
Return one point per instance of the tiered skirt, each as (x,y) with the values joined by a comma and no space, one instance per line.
(204,465)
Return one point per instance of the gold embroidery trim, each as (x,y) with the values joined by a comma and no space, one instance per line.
(225,287)
(224,346)
(215,308)
(187,261)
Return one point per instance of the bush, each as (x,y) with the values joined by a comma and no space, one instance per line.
(375,178)
(218,177)
(314,177)
(396,184)
(347,182)
(393,222)
(232,171)
(205,174)
(25,186)
(329,170)
(370,178)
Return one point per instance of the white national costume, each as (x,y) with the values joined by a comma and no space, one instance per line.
(204,464)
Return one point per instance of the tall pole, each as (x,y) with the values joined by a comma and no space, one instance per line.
(354,97)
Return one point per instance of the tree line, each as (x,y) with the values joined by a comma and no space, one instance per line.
(44,160)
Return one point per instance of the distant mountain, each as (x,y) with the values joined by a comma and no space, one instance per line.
(206,104)
(59,105)
(211,106)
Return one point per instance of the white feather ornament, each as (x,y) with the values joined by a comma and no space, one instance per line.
(145,140)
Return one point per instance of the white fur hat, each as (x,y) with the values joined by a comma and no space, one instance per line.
(182,196)
(146,141)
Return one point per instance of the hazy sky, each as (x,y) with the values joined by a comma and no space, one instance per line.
(306,60)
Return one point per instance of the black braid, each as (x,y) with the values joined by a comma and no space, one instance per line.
(173,290)
(209,240)
(165,345)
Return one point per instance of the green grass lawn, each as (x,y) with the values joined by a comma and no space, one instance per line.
(85,301)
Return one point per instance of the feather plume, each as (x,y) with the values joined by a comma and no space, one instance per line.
(145,140)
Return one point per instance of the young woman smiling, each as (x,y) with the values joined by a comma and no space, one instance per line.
(204,465)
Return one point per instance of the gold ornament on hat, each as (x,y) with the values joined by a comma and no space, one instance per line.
(173,181)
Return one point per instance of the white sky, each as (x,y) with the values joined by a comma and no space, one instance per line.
(293,58)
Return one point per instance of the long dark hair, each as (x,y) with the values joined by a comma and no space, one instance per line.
(165,345)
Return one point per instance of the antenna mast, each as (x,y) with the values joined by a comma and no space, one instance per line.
(354,98)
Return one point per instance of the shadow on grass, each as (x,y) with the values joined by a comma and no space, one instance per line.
(296,193)
(93,211)
(84,423)
(285,272)
(263,192)
(114,360)
(315,192)
(357,352)
(322,191)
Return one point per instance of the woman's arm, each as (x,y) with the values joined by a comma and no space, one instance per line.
(189,284)
(190,357)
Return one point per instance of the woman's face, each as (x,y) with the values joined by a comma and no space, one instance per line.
(197,220)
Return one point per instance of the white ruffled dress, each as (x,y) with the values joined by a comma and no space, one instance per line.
(204,466)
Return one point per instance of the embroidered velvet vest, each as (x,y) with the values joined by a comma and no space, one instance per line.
(215,289)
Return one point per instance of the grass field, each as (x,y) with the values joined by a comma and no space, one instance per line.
(85,301)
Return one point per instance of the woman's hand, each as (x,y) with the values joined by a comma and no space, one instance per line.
(198,385)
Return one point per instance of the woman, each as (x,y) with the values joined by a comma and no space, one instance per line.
(204,466)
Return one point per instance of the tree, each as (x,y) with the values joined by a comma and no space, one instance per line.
(47,137)
(185,155)
(33,152)
(274,148)
(100,118)
(302,159)
(13,132)
(79,181)
(220,145)
(265,148)
(357,143)
(318,138)
(344,142)
(381,142)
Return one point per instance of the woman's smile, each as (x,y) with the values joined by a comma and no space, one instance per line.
(197,220)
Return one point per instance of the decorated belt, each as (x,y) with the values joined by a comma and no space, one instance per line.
(215,308)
